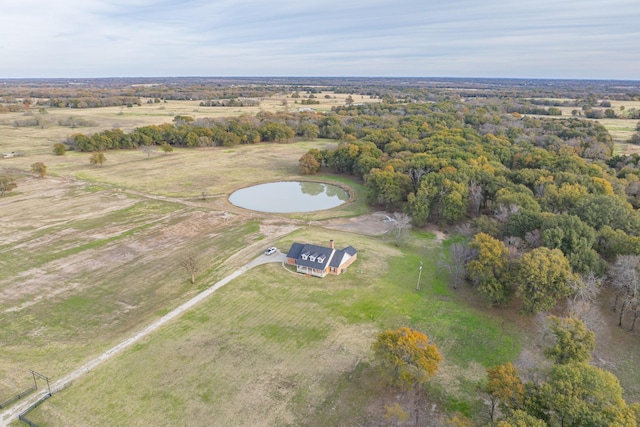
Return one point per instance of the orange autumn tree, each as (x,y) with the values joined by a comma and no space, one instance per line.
(406,356)
(504,388)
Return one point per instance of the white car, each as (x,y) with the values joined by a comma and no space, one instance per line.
(270,250)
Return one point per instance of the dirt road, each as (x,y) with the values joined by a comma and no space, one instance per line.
(12,413)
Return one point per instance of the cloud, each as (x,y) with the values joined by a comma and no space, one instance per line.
(76,38)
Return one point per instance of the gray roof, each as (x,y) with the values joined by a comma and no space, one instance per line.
(318,257)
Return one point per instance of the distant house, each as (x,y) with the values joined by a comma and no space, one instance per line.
(319,260)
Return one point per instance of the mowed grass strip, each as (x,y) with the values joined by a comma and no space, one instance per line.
(276,348)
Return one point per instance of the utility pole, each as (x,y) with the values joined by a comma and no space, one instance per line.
(419,274)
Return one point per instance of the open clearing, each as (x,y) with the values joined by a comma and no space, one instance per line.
(90,256)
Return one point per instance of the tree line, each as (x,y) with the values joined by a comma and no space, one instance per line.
(543,202)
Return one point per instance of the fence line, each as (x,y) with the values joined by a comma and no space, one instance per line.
(23,415)
(17,397)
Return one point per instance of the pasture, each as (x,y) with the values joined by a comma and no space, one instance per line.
(35,132)
(90,255)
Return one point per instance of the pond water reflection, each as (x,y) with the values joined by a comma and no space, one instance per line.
(289,197)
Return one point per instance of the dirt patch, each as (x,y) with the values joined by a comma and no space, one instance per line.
(374,224)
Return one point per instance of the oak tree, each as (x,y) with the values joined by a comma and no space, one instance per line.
(407,356)
(59,149)
(39,169)
(309,165)
(578,394)
(97,158)
(625,278)
(7,184)
(504,387)
(489,270)
(572,341)
(543,276)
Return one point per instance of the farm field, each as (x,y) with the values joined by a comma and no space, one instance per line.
(620,129)
(56,124)
(91,255)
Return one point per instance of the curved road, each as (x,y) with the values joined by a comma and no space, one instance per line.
(13,412)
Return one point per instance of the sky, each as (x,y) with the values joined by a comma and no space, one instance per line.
(564,39)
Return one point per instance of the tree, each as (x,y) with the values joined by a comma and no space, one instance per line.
(544,276)
(573,342)
(39,169)
(59,149)
(387,188)
(191,265)
(166,148)
(455,263)
(625,278)
(7,184)
(578,394)
(504,387)
(575,239)
(97,158)
(309,165)
(308,131)
(147,149)
(406,356)
(418,207)
(273,131)
(398,224)
(520,418)
(489,271)
(609,113)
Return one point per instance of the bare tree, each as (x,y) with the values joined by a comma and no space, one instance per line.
(583,304)
(398,224)
(465,230)
(455,264)
(625,279)
(587,287)
(533,238)
(191,265)
(503,213)
(476,198)
(147,149)
(515,245)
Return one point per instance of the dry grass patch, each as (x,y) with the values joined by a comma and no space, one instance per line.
(82,268)
(265,350)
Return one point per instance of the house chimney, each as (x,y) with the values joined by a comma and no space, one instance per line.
(331,245)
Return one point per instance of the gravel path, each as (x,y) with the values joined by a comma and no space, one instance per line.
(13,412)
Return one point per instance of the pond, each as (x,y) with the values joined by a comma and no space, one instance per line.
(289,197)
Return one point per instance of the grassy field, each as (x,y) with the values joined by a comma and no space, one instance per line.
(74,286)
(90,255)
(57,124)
(273,348)
(620,129)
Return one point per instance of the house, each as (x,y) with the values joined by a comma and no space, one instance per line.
(319,260)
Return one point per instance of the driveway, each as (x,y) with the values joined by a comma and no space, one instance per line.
(12,413)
